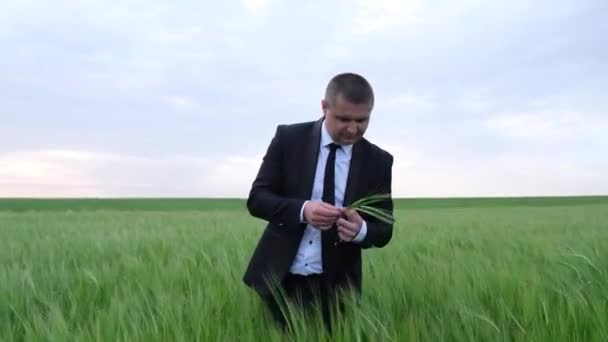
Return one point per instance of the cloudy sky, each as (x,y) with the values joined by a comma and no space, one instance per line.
(181,98)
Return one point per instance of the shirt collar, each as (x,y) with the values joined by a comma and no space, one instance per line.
(326,140)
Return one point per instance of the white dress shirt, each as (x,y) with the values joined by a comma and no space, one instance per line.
(308,259)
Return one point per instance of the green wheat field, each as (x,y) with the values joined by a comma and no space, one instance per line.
(483,269)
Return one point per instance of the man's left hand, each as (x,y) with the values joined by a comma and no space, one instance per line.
(349,225)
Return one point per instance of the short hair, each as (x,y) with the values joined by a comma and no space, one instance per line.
(353,88)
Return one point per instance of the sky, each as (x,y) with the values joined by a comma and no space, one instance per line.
(181,98)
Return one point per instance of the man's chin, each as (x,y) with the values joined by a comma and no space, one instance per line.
(350,141)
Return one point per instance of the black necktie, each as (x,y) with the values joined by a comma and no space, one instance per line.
(329,187)
(329,237)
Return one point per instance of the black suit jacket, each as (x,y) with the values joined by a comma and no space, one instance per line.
(284,182)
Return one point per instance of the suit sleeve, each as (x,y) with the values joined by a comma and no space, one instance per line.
(266,200)
(378,232)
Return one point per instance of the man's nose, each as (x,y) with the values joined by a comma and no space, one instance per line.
(352,128)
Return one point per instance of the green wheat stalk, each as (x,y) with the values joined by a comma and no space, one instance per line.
(364,205)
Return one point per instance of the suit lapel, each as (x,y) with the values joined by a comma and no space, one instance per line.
(354,173)
(311,156)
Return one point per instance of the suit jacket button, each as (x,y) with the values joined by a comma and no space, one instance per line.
(281,224)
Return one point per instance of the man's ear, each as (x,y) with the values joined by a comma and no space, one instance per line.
(324,106)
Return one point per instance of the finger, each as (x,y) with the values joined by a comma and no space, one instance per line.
(345,236)
(349,213)
(327,212)
(331,209)
(342,230)
(327,219)
(328,216)
(347,231)
(329,206)
(348,225)
(324,223)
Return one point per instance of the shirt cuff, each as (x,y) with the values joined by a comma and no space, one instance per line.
(361,235)
(302,212)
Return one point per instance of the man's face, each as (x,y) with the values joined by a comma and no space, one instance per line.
(345,121)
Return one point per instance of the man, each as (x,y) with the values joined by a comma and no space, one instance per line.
(311,248)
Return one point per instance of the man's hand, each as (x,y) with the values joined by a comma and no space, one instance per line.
(350,225)
(321,215)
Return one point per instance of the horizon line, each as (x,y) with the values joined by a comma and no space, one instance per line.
(245,198)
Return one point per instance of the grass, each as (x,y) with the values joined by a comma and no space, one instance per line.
(456,270)
(206,204)
(120,204)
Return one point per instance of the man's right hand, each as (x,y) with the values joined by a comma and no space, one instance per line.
(321,215)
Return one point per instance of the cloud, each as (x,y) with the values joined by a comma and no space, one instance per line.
(410,102)
(377,15)
(154,98)
(547,126)
(420,173)
(183,102)
(256,5)
(65,173)
(416,173)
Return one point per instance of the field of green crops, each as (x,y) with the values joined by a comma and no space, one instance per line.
(522,269)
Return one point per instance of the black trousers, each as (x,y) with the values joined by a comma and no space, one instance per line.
(306,293)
